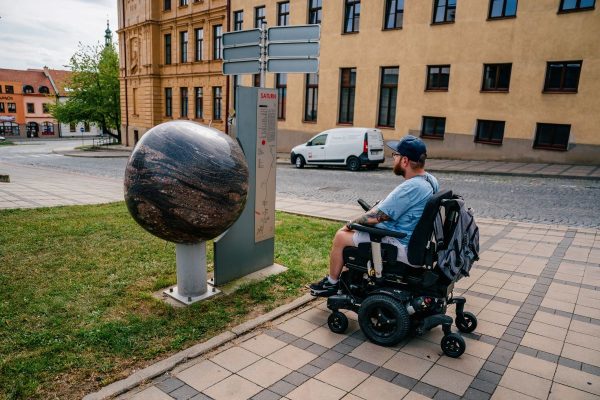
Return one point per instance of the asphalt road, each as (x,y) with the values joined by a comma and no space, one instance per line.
(562,201)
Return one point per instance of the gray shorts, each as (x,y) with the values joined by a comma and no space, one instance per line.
(363,237)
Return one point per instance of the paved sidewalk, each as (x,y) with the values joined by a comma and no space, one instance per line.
(536,293)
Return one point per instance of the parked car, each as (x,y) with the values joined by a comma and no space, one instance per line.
(2,138)
(352,147)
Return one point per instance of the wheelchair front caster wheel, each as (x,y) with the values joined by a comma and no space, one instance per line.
(467,323)
(453,345)
(337,322)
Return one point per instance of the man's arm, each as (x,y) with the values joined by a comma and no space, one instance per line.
(371,217)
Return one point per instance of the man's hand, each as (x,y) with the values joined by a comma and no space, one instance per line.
(372,217)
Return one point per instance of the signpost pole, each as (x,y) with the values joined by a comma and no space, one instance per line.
(263,54)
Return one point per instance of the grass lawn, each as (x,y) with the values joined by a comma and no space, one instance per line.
(77,311)
(6,143)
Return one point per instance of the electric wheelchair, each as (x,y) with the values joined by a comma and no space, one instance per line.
(393,299)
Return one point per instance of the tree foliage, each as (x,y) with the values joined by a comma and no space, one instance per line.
(93,89)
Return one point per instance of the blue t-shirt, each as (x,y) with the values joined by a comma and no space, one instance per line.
(405,204)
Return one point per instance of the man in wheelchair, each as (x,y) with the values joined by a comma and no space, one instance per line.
(396,265)
(399,211)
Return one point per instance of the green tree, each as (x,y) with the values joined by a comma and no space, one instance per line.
(94,89)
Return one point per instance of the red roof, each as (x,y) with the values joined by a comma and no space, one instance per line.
(35,78)
(61,79)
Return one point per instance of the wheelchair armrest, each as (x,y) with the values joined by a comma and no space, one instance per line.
(377,231)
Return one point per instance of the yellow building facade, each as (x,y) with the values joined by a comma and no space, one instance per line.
(168,65)
(477,79)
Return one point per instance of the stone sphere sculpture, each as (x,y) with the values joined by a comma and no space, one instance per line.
(186,182)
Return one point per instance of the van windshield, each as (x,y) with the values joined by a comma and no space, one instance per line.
(319,140)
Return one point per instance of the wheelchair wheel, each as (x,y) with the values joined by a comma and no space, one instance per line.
(453,345)
(337,322)
(383,320)
(467,323)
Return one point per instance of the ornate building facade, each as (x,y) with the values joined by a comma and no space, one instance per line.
(170,63)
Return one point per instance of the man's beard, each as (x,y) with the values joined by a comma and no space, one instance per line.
(398,170)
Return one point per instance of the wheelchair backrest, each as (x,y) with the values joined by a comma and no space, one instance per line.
(420,240)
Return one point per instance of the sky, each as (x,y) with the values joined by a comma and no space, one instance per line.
(37,33)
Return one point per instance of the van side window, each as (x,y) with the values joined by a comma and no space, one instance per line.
(319,140)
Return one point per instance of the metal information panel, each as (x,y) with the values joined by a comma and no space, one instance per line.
(291,65)
(239,38)
(240,251)
(241,67)
(266,163)
(299,49)
(294,33)
(241,52)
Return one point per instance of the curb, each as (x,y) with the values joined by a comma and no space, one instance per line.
(137,378)
(95,154)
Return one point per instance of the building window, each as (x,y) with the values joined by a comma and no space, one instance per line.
(9,128)
(183,3)
(166,5)
(199,38)
(218,42)
(183,46)
(72,127)
(256,80)
(45,108)
(0,88)
(217,101)
(259,16)
(199,102)
(281,86)
(394,13)
(444,11)
(32,129)
(347,91)
(315,11)
(44,90)
(496,77)
(30,108)
(502,9)
(12,107)
(238,20)
(236,83)
(552,136)
(388,91)
(168,49)
(168,102)
(184,101)
(576,5)
(351,16)
(311,97)
(283,13)
(9,89)
(47,128)
(490,132)
(433,127)
(562,76)
(134,101)
(27,89)
(438,77)
(1,107)
(86,126)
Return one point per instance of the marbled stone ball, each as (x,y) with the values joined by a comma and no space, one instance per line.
(186,182)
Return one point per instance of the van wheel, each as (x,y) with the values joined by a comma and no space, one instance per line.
(353,164)
(300,162)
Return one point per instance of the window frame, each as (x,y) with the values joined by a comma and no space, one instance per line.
(30,107)
(45,108)
(536,144)
(481,123)
(183,102)
(387,14)
(11,108)
(497,66)
(183,3)
(2,107)
(258,19)
(393,88)
(350,96)
(351,6)
(311,94)
(168,48)
(72,127)
(238,23)
(217,42)
(27,89)
(315,9)
(217,103)
(166,5)
(281,86)
(285,14)
(183,46)
(169,102)
(47,128)
(490,17)
(577,8)
(428,84)
(436,121)
(198,44)
(446,8)
(199,102)
(10,89)
(562,89)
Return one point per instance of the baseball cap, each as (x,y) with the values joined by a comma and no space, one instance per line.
(409,146)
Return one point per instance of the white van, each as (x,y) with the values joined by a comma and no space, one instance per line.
(352,147)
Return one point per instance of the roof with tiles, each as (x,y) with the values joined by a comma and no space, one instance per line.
(35,78)
(61,78)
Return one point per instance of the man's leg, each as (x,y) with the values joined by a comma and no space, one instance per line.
(343,238)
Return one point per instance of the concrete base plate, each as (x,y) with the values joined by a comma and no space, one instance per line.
(172,293)
(259,275)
